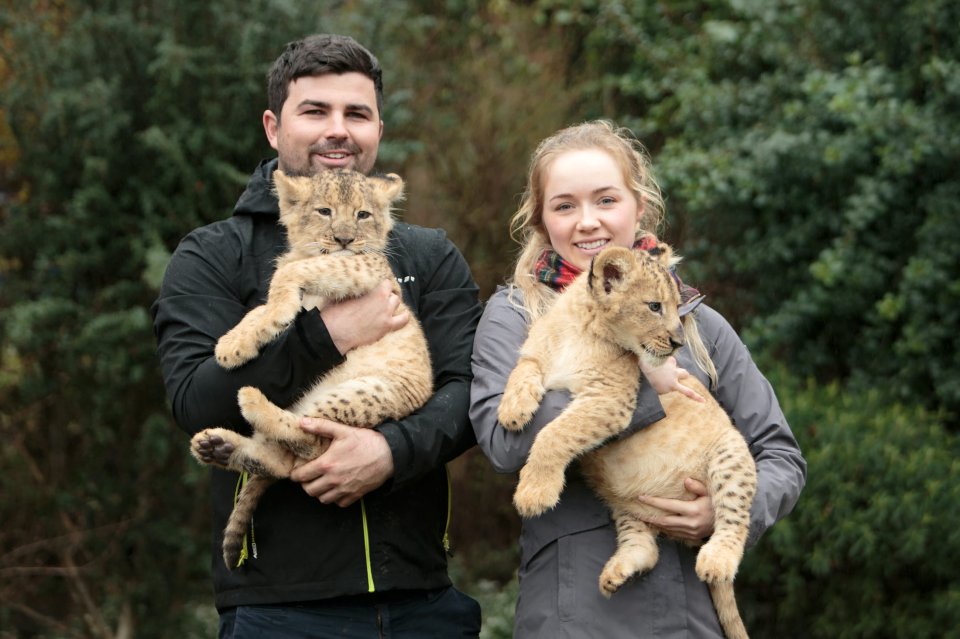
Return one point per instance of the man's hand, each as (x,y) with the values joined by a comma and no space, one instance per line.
(692,520)
(357,461)
(666,378)
(365,319)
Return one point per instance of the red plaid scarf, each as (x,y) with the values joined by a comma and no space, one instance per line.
(557,273)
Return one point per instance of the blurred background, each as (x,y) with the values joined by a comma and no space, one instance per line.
(809,153)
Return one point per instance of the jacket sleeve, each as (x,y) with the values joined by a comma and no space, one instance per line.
(501,333)
(750,400)
(209,285)
(448,309)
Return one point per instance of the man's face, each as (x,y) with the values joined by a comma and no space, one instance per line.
(328,121)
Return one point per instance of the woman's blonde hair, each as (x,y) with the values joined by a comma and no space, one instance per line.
(526,225)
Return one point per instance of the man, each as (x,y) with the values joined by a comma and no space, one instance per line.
(354,545)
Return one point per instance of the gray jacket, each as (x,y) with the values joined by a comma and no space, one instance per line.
(564,550)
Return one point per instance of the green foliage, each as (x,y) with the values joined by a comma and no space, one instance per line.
(875,530)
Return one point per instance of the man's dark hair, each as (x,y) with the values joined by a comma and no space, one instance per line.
(318,55)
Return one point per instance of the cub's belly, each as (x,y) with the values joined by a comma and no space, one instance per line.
(654,462)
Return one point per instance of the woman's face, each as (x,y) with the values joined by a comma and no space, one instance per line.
(587,206)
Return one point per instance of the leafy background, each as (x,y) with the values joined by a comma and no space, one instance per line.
(808,150)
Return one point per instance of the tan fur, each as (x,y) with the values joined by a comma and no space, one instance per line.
(590,343)
(337,225)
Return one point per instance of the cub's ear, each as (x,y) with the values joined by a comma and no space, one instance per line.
(659,251)
(389,185)
(290,190)
(609,269)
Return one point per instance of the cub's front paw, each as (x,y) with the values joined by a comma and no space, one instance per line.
(234,349)
(537,492)
(516,410)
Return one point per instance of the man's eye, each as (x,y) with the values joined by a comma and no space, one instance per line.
(325,212)
(362,215)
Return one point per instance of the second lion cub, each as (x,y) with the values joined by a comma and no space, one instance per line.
(590,342)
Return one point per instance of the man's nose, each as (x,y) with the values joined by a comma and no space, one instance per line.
(337,127)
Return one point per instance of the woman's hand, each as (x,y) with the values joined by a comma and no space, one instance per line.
(666,378)
(691,520)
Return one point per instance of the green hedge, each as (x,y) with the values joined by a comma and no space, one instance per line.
(872,548)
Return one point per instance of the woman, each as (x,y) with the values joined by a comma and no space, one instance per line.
(591,186)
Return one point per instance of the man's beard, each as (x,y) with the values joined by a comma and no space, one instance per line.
(310,170)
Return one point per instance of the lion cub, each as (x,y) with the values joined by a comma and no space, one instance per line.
(337,224)
(590,343)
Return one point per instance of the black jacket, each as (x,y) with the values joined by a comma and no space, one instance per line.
(394,537)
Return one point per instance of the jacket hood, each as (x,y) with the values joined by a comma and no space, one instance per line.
(258,198)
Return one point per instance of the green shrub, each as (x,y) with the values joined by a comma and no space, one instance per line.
(872,547)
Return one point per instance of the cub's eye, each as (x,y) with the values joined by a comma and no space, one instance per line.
(363,215)
(325,212)
(654,306)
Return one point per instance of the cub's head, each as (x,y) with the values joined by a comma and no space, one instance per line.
(336,211)
(636,300)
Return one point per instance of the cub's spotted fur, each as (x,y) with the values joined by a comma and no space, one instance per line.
(337,224)
(590,343)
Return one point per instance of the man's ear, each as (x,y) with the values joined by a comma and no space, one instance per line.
(271,126)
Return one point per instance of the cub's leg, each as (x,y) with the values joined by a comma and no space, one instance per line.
(276,424)
(227,449)
(732,482)
(327,277)
(586,423)
(239,344)
(636,553)
(367,401)
(522,394)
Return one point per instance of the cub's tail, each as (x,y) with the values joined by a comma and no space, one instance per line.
(726,605)
(235,532)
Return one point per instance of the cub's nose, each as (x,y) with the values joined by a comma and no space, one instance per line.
(344,242)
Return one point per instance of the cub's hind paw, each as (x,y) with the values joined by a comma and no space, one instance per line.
(213,446)
(252,403)
(613,577)
(716,565)
(624,566)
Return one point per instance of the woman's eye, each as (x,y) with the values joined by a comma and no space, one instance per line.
(325,212)
(362,215)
